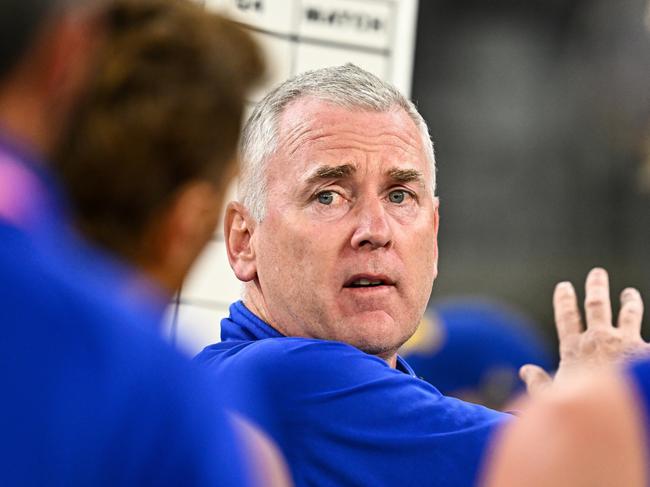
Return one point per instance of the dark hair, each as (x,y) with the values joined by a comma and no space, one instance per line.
(19,23)
(164,109)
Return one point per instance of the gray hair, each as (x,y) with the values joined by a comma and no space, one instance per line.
(348,86)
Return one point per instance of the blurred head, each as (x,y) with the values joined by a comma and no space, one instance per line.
(335,232)
(455,329)
(152,148)
(46,55)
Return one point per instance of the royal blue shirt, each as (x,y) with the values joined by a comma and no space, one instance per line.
(343,417)
(639,373)
(89,393)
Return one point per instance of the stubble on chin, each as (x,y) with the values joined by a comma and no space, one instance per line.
(379,340)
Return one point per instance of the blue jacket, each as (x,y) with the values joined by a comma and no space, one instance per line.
(343,417)
(90,394)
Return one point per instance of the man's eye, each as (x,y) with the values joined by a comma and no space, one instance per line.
(397,196)
(325,198)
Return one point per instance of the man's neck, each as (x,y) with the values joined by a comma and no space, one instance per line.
(391,359)
(22,119)
(256,305)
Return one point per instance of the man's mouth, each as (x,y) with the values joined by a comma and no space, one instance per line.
(368,282)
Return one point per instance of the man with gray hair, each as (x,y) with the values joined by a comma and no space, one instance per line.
(335,238)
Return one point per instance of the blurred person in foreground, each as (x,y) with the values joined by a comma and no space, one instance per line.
(591,430)
(449,350)
(335,238)
(91,394)
(152,148)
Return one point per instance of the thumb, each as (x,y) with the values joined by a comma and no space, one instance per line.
(536,379)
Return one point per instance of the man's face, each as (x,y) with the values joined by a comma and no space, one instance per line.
(347,250)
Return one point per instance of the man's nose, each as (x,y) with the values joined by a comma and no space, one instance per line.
(372,229)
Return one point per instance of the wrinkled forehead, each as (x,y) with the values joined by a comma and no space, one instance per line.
(312,132)
(322,115)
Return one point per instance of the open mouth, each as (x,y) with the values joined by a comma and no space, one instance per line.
(365,283)
(357,282)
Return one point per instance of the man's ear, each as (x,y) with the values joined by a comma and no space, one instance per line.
(181,231)
(238,231)
(436,226)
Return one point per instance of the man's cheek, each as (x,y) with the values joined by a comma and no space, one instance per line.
(296,252)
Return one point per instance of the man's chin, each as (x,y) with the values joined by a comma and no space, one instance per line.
(384,351)
(375,333)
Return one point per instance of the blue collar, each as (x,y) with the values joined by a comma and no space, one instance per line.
(244,325)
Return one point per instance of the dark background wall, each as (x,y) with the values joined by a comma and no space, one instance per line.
(540,114)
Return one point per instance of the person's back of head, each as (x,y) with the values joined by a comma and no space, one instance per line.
(46,52)
(455,328)
(19,22)
(150,152)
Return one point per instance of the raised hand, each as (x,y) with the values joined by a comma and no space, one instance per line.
(600,342)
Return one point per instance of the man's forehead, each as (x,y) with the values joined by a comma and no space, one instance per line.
(312,125)
(314,112)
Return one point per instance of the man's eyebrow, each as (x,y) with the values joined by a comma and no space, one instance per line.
(406,175)
(331,172)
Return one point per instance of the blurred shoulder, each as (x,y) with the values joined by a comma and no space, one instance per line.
(591,431)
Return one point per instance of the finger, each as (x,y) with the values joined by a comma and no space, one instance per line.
(598,308)
(535,378)
(631,314)
(565,307)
